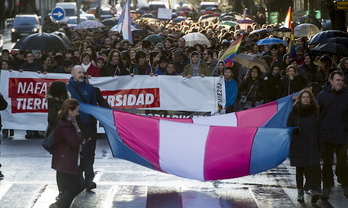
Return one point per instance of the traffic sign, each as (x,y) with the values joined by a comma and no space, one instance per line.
(58,13)
(343,5)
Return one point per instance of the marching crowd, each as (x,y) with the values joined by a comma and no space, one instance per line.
(320,110)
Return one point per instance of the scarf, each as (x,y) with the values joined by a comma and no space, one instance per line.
(85,67)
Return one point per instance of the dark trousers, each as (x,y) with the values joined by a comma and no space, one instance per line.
(230,109)
(73,185)
(87,159)
(312,177)
(341,163)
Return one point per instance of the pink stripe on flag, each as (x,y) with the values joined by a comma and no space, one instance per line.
(232,159)
(139,133)
(255,117)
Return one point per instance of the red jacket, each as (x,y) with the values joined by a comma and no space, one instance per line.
(66,148)
(93,71)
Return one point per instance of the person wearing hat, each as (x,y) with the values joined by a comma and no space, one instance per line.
(162,65)
(180,61)
(37,55)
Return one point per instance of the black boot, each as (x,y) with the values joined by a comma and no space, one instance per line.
(315,196)
(345,192)
(300,195)
(326,194)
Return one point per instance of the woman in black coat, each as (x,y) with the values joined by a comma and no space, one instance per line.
(305,144)
(114,65)
(252,89)
(291,83)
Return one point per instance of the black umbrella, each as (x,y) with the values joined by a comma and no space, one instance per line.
(281,32)
(339,40)
(109,22)
(62,35)
(227,18)
(154,38)
(333,48)
(42,42)
(322,36)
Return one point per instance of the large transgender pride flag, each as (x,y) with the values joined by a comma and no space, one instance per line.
(211,148)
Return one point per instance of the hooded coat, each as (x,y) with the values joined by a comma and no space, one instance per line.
(202,67)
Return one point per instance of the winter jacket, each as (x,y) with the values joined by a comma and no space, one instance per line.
(114,70)
(254,90)
(231,90)
(334,105)
(202,67)
(54,105)
(3,103)
(93,71)
(66,148)
(288,87)
(88,92)
(309,74)
(305,145)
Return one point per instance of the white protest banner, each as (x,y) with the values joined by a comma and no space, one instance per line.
(168,96)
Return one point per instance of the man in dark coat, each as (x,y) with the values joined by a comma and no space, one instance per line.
(85,93)
(333,103)
(30,64)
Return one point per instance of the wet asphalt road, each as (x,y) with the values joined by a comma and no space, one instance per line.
(30,182)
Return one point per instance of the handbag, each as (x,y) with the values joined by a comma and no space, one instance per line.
(243,99)
(48,142)
(258,103)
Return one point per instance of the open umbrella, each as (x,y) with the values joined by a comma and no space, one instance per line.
(250,61)
(261,31)
(228,24)
(281,32)
(42,42)
(306,30)
(333,48)
(155,38)
(109,22)
(271,41)
(227,18)
(244,23)
(192,39)
(207,17)
(89,24)
(321,36)
(62,35)
(339,40)
(179,19)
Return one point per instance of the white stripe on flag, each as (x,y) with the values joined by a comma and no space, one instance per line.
(229,119)
(182,148)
